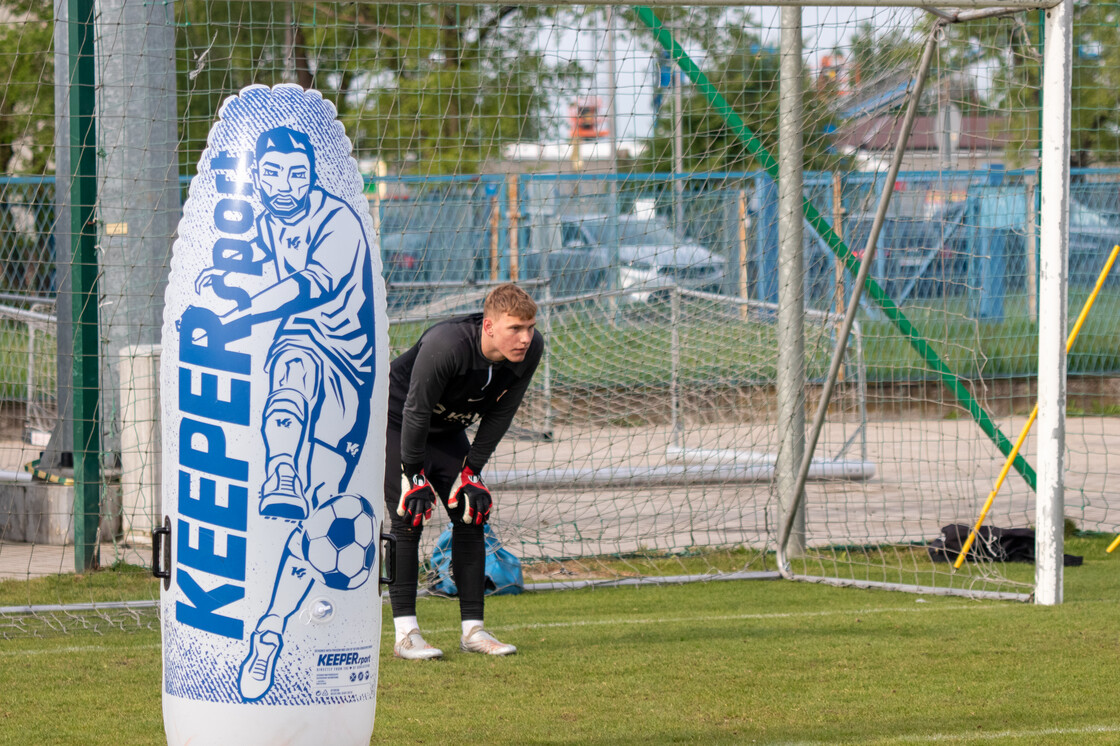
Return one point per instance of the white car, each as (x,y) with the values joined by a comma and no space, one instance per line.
(652,258)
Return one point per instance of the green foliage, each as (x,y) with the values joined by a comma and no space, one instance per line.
(453,84)
(876,51)
(1012,46)
(27,102)
(442,88)
(428,88)
(1095,121)
(746,72)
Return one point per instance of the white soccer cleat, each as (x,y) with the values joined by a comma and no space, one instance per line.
(282,494)
(259,668)
(413,647)
(479,640)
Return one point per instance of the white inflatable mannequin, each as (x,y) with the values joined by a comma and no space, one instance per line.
(273,393)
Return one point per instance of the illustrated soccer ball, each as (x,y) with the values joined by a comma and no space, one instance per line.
(339,540)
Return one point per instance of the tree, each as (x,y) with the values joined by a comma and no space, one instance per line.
(746,73)
(875,52)
(1096,78)
(430,89)
(1011,47)
(27,103)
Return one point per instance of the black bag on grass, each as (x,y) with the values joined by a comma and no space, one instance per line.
(991,543)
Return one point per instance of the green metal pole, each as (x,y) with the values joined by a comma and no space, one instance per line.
(83,275)
(837,245)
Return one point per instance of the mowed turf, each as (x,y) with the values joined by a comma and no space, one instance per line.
(726,662)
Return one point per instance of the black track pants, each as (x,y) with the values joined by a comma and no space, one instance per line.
(468,550)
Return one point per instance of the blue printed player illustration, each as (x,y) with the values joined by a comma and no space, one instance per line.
(320,371)
(321,362)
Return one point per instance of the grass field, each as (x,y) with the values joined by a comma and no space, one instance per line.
(730,662)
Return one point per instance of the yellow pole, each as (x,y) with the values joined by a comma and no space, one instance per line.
(1034,413)
(1114,544)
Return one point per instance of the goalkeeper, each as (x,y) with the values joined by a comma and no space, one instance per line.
(468,369)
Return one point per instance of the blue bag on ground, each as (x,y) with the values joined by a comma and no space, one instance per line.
(503,570)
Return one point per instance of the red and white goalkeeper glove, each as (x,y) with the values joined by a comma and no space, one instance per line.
(470,488)
(417,497)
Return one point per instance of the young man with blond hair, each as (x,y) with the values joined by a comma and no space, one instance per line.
(465,370)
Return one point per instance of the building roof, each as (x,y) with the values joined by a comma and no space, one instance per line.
(977,133)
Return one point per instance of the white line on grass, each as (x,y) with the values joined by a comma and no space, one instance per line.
(1034,735)
(720,618)
(77,649)
(583,623)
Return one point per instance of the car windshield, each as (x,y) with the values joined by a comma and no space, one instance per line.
(646,233)
(634,233)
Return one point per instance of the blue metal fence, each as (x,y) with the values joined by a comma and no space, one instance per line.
(962,234)
(26,235)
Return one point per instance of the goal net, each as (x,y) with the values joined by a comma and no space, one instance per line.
(621,164)
(647,448)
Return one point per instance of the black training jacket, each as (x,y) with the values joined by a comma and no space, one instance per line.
(443,384)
